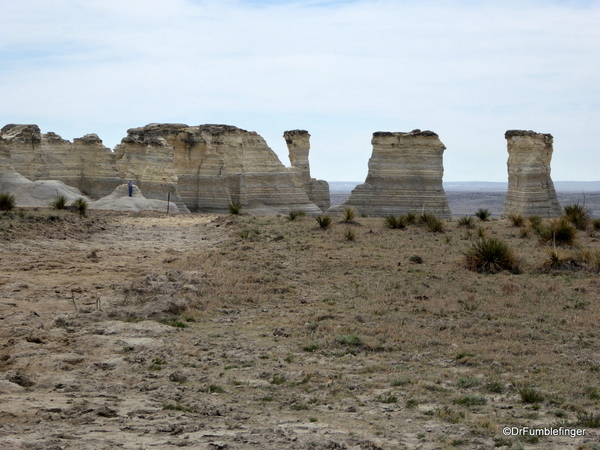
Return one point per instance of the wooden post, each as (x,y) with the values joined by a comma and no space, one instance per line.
(168,202)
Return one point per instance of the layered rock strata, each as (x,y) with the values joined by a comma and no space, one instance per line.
(203,168)
(405,175)
(530,187)
(85,163)
(298,144)
(210,166)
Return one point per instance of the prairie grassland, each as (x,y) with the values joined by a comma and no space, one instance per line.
(395,317)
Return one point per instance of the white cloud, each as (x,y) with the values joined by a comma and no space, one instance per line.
(467,70)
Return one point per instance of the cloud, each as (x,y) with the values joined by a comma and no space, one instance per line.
(467,70)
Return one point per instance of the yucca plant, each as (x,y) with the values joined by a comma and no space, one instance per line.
(432,222)
(295,214)
(81,206)
(59,202)
(234,208)
(324,221)
(466,222)
(578,215)
(349,234)
(596,224)
(558,259)
(411,218)
(348,215)
(535,222)
(558,232)
(483,214)
(7,201)
(394,222)
(516,220)
(491,255)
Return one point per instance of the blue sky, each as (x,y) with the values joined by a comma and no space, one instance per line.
(340,69)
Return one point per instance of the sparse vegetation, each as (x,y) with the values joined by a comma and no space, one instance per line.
(466,222)
(295,214)
(516,220)
(7,201)
(349,234)
(59,202)
(432,222)
(491,255)
(324,221)
(483,214)
(81,206)
(558,232)
(234,208)
(394,222)
(348,215)
(578,215)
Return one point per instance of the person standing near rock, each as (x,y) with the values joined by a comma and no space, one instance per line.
(130,186)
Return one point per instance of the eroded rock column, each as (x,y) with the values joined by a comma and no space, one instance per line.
(530,187)
(405,175)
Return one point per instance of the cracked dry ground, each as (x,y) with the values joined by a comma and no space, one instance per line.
(141,331)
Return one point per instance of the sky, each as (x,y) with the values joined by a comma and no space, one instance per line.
(467,70)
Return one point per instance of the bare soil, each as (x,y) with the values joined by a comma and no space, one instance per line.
(146,331)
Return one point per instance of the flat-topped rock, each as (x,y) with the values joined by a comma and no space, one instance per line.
(530,187)
(405,175)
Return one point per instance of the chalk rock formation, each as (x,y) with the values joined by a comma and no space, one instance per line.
(298,143)
(405,175)
(85,163)
(530,188)
(119,200)
(210,166)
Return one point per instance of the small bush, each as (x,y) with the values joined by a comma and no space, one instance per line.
(491,255)
(295,214)
(558,232)
(278,379)
(578,216)
(432,222)
(483,214)
(471,400)
(7,201)
(530,395)
(394,222)
(324,221)
(516,220)
(59,202)
(535,223)
(416,259)
(234,208)
(468,382)
(558,260)
(80,206)
(596,224)
(588,420)
(348,215)
(349,234)
(352,339)
(411,218)
(466,222)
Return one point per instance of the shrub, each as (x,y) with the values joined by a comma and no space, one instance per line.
(588,420)
(466,222)
(349,234)
(483,214)
(470,400)
(559,232)
(7,201)
(348,215)
(295,214)
(432,222)
(394,222)
(596,224)
(81,206)
(535,222)
(557,260)
(234,208)
(516,220)
(530,395)
(578,216)
(59,202)
(491,255)
(416,259)
(411,218)
(324,221)
(352,339)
